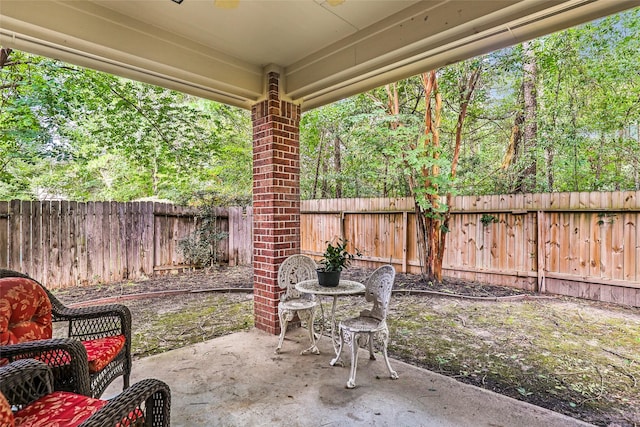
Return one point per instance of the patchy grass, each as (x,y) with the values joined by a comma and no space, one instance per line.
(187,320)
(561,354)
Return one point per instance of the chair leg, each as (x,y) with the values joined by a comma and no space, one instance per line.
(337,360)
(372,355)
(284,321)
(351,339)
(307,317)
(385,339)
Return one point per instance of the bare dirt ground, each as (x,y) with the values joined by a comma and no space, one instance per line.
(573,356)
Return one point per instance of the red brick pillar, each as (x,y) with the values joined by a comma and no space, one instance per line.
(276,198)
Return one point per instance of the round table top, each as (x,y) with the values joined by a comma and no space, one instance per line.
(345,287)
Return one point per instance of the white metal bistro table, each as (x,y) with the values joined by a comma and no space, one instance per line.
(345,287)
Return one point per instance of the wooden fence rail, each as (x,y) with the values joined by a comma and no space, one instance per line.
(65,243)
(578,244)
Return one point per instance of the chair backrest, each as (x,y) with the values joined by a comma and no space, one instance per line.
(25,311)
(378,289)
(293,270)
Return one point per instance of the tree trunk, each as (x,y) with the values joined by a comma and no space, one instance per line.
(315,178)
(530,133)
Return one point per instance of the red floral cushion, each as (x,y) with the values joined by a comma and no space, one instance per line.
(25,311)
(6,416)
(58,409)
(102,351)
(63,409)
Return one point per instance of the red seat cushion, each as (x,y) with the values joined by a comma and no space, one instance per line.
(25,311)
(102,351)
(58,409)
(63,409)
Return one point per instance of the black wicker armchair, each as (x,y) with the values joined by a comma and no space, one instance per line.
(92,333)
(31,399)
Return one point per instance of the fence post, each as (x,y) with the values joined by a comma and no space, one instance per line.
(405,239)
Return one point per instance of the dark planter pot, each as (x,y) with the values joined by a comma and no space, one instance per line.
(328,278)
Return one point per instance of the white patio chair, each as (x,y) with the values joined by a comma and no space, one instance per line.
(370,324)
(293,270)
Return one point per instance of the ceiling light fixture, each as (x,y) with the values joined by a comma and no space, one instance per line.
(177,1)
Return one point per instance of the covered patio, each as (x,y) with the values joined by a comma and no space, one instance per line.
(237,380)
(278,59)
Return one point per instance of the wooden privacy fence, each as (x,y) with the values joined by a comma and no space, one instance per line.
(63,243)
(577,244)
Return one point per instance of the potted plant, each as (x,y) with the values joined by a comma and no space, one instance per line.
(335,258)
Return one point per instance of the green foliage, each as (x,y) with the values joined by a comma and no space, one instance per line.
(488,219)
(71,132)
(201,246)
(85,135)
(588,120)
(337,257)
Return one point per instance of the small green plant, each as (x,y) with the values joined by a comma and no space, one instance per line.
(200,248)
(336,257)
(488,219)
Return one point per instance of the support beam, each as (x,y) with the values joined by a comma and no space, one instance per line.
(276,198)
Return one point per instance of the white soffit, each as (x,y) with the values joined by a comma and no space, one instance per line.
(324,52)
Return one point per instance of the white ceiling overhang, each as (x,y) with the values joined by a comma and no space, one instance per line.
(322,52)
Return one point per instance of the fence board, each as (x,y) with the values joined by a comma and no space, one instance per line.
(59,235)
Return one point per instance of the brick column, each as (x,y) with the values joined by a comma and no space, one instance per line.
(276,198)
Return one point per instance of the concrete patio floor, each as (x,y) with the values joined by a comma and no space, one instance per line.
(238,380)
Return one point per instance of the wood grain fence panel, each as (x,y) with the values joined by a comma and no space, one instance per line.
(159,235)
(564,240)
(105,233)
(606,244)
(553,250)
(233,215)
(133,247)
(500,252)
(594,246)
(55,278)
(123,239)
(574,242)
(518,243)
(247,237)
(45,223)
(116,243)
(91,233)
(146,239)
(138,245)
(36,240)
(617,244)
(27,248)
(584,238)
(67,245)
(100,252)
(472,239)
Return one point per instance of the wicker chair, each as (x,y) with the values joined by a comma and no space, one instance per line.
(370,324)
(295,269)
(98,341)
(28,397)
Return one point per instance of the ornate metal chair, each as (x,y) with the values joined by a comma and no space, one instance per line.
(98,339)
(295,269)
(28,398)
(370,324)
